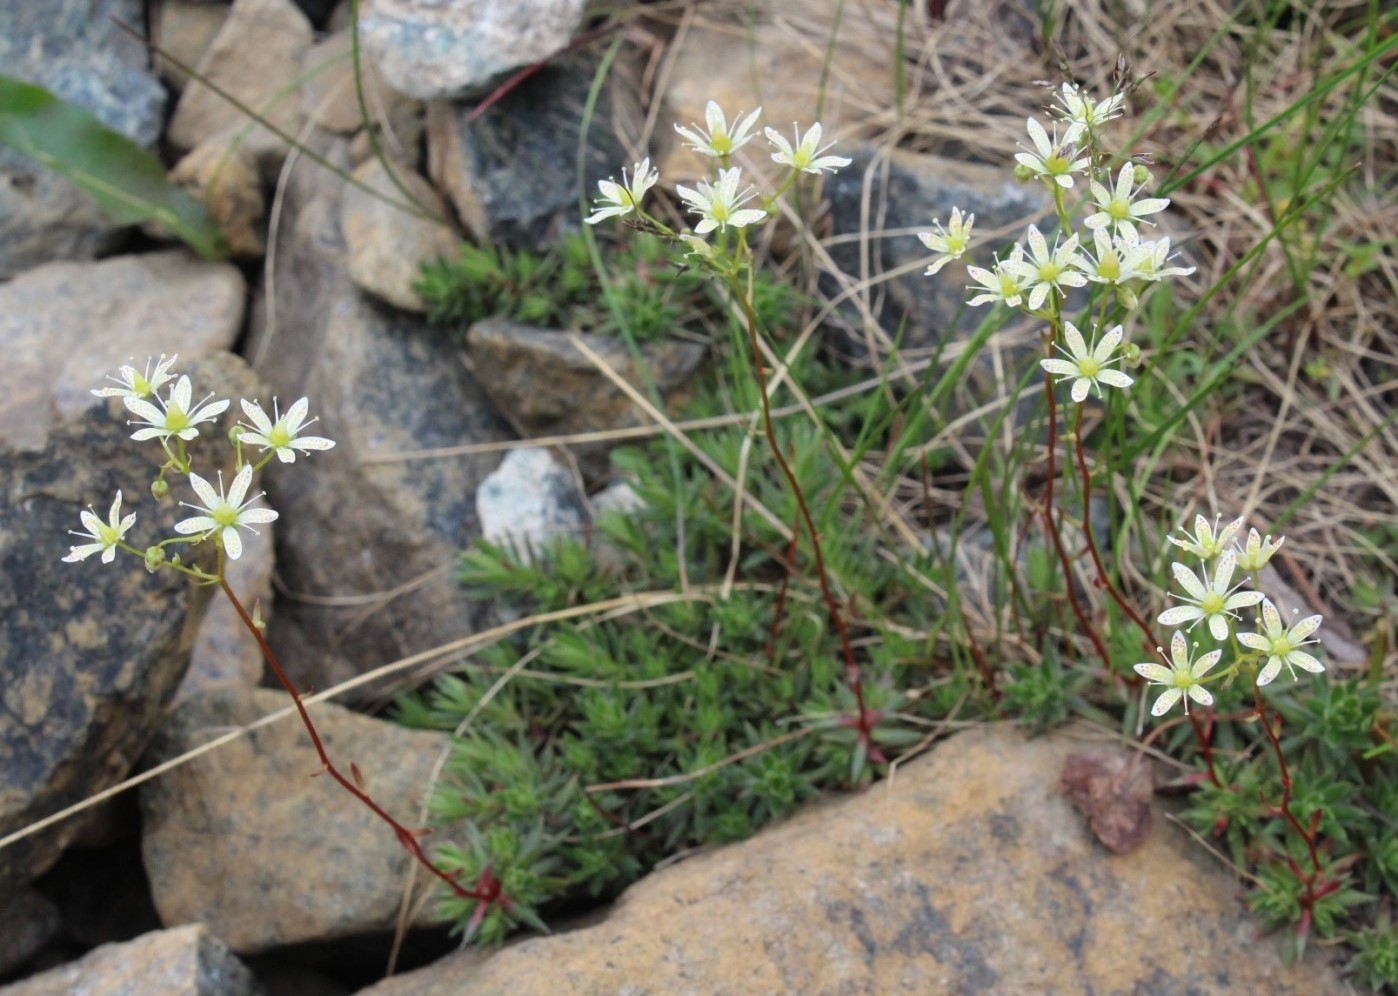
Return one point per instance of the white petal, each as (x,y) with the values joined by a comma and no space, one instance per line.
(713,117)
(1218,626)
(240,485)
(1167,698)
(1107,345)
(1115,378)
(1076,346)
(1040,138)
(296,414)
(1205,663)
(1179,615)
(233,543)
(1188,580)
(1201,695)
(1255,641)
(1038,248)
(204,490)
(1061,367)
(1305,661)
(91,521)
(1242,599)
(1269,672)
(256,515)
(77,553)
(1080,388)
(1271,618)
(1223,573)
(109,554)
(143,434)
(1179,651)
(180,393)
(254,412)
(195,524)
(1155,672)
(1305,628)
(146,411)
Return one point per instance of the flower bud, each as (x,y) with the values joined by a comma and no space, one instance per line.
(155,556)
(1131,354)
(1140,175)
(1127,298)
(159,489)
(1023,173)
(236,433)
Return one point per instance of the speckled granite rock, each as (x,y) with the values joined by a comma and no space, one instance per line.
(29,922)
(530,499)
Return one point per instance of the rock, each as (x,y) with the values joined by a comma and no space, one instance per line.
(908,192)
(511,173)
(31,921)
(387,244)
(530,499)
(224,652)
(102,894)
(225,176)
(328,95)
(432,50)
(74,49)
(375,538)
(187,28)
(91,652)
(246,839)
(779,63)
(65,326)
(185,960)
(545,386)
(969,872)
(256,57)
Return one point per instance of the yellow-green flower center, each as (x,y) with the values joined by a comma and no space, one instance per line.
(1211,603)
(1008,287)
(108,535)
(279,437)
(1109,267)
(1184,678)
(1057,164)
(1088,366)
(718,210)
(721,143)
(1119,209)
(1048,272)
(176,419)
(1281,646)
(141,386)
(225,514)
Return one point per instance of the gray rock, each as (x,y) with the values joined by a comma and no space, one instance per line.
(31,921)
(246,840)
(90,652)
(545,386)
(328,94)
(387,244)
(256,57)
(73,48)
(511,173)
(910,191)
(188,961)
(969,872)
(228,181)
(65,326)
(530,499)
(433,50)
(374,537)
(224,652)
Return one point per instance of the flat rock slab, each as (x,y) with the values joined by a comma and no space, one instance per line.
(247,841)
(969,873)
(184,961)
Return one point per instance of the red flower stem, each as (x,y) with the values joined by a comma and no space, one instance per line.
(1308,834)
(789,567)
(864,722)
(486,891)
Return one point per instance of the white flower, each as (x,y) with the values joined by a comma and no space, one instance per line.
(720,142)
(1079,108)
(106,534)
(282,433)
(134,384)
(1148,260)
(1253,557)
(225,513)
(1208,540)
(1181,678)
(1052,160)
(1005,284)
(619,199)
(1282,646)
(719,206)
(1088,369)
(1111,265)
(1117,211)
(174,417)
(1211,599)
(1047,269)
(806,157)
(948,243)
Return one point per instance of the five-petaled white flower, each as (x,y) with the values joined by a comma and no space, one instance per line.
(1182,678)
(1052,160)
(1079,107)
(1212,600)
(619,199)
(135,384)
(720,141)
(806,156)
(1116,209)
(105,534)
(1208,540)
(949,243)
(1282,645)
(1088,368)
(1111,264)
(1254,556)
(1004,284)
(720,206)
(1149,260)
(282,433)
(174,417)
(225,512)
(1046,269)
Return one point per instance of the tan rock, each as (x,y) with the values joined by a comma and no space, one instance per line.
(256,57)
(970,872)
(387,243)
(187,961)
(224,175)
(328,94)
(66,326)
(187,28)
(245,840)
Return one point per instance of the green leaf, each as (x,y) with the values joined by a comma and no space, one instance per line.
(128,182)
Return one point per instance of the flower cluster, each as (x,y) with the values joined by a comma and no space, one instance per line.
(1107,250)
(175,419)
(1210,596)
(718,203)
